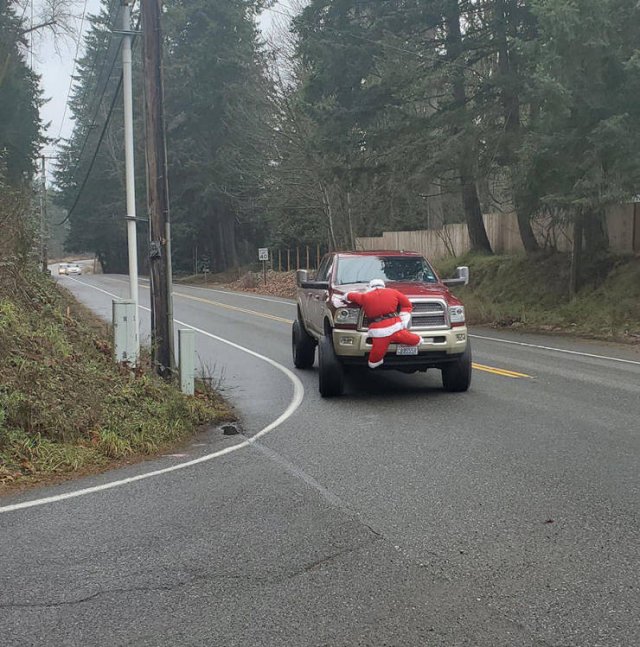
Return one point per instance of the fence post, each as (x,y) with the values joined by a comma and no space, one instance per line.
(279,260)
(307,265)
(317,256)
(288,260)
(297,258)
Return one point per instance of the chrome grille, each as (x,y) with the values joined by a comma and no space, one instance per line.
(428,314)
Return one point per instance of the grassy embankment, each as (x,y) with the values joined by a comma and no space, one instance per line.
(532,293)
(65,407)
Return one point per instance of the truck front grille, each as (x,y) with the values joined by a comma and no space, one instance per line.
(428,314)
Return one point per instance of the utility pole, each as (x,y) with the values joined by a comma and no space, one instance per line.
(130,180)
(43,217)
(157,192)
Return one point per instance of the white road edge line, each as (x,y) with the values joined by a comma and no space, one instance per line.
(298,395)
(557,350)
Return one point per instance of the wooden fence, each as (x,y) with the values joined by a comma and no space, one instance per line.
(307,257)
(623,226)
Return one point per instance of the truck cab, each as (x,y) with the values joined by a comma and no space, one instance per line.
(340,332)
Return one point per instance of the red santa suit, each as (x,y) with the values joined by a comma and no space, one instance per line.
(389,313)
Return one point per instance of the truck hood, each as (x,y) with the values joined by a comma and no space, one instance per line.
(415,290)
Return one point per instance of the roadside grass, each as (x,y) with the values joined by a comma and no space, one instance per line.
(65,406)
(531,292)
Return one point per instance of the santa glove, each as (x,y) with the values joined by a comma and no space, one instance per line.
(340,300)
(405,317)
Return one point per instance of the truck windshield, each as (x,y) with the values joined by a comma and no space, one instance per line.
(362,269)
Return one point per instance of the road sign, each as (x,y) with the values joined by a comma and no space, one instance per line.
(263,254)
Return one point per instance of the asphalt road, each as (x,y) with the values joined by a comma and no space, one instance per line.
(397,514)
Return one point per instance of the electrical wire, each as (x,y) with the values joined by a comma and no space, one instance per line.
(99,96)
(102,134)
(95,154)
(75,62)
(95,114)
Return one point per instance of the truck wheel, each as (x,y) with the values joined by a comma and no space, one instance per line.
(331,372)
(456,376)
(303,346)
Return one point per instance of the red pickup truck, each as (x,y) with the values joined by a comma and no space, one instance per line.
(340,331)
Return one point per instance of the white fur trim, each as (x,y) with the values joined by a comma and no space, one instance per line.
(375,364)
(406,318)
(387,331)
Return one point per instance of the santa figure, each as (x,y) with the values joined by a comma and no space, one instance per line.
(389,314)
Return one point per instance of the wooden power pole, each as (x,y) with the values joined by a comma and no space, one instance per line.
(157,191)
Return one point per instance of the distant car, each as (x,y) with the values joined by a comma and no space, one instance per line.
(74,269)
(62,268)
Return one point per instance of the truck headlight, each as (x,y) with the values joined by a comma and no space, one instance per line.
(347,316)
(456,314)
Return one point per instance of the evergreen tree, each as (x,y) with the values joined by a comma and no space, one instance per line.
(20,101)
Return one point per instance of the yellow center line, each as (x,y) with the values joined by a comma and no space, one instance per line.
(500,371)
(236,308)
(480,367)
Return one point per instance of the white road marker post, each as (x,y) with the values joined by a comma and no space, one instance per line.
(187,350)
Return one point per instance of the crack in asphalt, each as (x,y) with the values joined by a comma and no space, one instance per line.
(333,556)
(88,598)
(307,568)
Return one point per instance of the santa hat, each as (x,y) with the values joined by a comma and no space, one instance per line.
(376,284)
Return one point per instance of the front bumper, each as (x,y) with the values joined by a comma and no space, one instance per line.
(353,347)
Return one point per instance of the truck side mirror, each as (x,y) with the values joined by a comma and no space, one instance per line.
(461,277)
(302,276)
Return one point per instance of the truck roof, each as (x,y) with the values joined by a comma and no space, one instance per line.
(380,252)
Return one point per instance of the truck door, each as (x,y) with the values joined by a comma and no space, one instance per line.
(318,297)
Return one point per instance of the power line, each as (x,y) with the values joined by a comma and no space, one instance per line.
(384,45)
(102,134)
(95,114)
(98,97)
(75,62)
(351,35)
(104,60)
(95,154)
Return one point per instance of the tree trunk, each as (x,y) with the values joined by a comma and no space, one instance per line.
(529,240)
(222,252)
(232,251)
(329,213)
(473,213)
(512,124)
(576,255)
(595,234)
(470,201)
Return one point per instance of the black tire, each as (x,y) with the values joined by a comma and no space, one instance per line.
(456,377)
(330,370)
(303,346)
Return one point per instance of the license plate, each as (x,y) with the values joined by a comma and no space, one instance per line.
(407,350)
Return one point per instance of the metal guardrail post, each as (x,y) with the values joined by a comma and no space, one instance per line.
(187,350)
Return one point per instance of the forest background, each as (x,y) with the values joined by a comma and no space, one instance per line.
(357,117)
